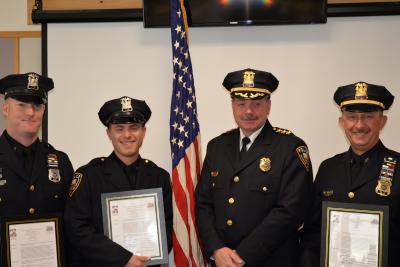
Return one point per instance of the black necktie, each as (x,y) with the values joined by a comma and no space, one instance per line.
(28,158)
(245,142)
(356,167)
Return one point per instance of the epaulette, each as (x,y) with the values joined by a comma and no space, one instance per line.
(95,161)
(229,131)
(282,131)
(395,153)
(147,161)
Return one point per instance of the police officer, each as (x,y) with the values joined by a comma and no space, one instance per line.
(34,177)
(367,173)
(123,170)
(255,182)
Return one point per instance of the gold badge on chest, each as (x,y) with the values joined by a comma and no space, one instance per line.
(265,164)
(54,171)
(386,176)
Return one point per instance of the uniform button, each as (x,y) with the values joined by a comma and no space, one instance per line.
(213,184)
(236,179)
(229,222)
(147,161)
(350,194)
(32,188)
(265,189)
(31,210)
(231,200)
(55,196)
(0,199)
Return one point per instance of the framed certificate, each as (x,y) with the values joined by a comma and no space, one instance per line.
(135,220)
(33,241)
(354,235)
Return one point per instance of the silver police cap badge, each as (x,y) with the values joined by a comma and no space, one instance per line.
(33,81)
(126,103)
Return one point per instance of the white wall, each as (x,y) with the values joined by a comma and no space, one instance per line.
(13,16)
(94,62)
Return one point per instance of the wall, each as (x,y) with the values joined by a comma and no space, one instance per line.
(92,63)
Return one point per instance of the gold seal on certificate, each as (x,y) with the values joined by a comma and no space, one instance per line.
(34,241)
(135,220)
(354,235)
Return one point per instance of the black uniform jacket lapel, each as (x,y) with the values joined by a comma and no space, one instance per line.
(40,162)
(372,170)
(258,148)
(115,175)
(8,158)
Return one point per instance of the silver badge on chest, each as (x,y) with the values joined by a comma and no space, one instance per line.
(54,171)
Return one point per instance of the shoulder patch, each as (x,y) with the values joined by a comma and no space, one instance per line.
(302,153)
(282,131)
(76,181)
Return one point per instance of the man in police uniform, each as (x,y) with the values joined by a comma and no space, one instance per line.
(255,183)
(123,170)
(34,177)
(367,173)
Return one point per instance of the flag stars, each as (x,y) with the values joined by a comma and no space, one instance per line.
(190,90)
(180,64)
(178,13)
(176,110)
(183,34)
(178,29)
(186,119)
(181,128)
(178,95)
(180,79)
(180,143)
(185,70)
(186,54)
(175,125)
(189,104)
(173,141)
(175,60)
(186,134)
(176,45)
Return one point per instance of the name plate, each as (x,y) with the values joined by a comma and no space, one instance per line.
(135,220)
(354,235)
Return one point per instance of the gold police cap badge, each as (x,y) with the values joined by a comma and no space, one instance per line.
(265,164)
(361,91)
(33,81)
(126,104)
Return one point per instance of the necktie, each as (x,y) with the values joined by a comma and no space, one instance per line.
(356,167)
(28,158)
(243,151)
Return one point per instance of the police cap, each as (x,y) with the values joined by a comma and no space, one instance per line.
(28,87)
(250,84)
(124,110)
(362,96)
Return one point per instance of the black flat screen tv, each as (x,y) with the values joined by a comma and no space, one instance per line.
(238,12)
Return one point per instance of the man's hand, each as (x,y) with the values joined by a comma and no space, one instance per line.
(137,261)
(226,257)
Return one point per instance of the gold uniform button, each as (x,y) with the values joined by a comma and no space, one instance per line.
(213,184)
(229,222)
(32,188)
(236,179)
(265,189)
(31,210)
(231,200)
(147,161)
(350,194)
(0,199)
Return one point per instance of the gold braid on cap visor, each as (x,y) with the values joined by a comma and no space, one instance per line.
(251,89)
(364,101)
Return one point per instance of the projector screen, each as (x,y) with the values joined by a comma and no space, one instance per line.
(94,62)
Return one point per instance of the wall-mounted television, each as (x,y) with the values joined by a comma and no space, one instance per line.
(238,12)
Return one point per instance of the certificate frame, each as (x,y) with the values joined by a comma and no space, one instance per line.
(335,213)
(155,196)
(8,225)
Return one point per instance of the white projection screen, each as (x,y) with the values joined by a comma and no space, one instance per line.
(94,62)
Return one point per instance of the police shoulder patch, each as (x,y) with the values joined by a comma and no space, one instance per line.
(281,130)
(76,181)
(302,153)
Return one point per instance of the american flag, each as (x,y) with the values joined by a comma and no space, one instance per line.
(185,145)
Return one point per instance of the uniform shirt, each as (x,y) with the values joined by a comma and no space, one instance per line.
(83,214)
(43,191)
(334,183)
(255,206)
